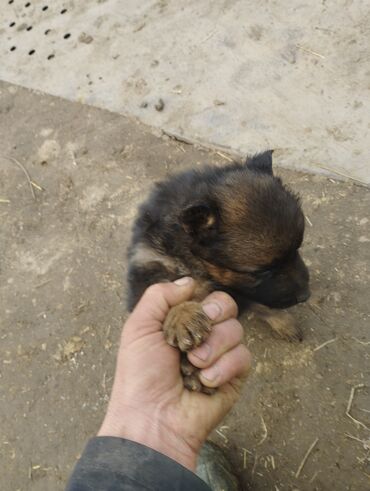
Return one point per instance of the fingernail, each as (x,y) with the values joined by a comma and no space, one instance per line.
(213,310)
(211,373)
(183,281)
(202,352)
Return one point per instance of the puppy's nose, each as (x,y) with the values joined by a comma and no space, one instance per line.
(303,296)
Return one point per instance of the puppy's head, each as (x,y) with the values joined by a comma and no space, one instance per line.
(247,230)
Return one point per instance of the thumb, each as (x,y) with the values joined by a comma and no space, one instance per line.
(156,302)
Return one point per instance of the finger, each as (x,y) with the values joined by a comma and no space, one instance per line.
(234,363)
(157,300)
(219,306)
(224,336)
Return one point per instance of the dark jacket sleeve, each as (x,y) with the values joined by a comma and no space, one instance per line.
(115,464)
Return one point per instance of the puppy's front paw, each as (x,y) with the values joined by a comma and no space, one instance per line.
(191,379)
(186,326)
(285,326)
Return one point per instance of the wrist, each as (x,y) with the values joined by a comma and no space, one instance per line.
(149,431)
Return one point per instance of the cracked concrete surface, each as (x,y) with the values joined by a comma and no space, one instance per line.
(235,74)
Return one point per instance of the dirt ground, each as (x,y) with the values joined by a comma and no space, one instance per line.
(62,259)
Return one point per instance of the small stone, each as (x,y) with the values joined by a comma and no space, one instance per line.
(49,151)
(22,27)
(79,152)
(160,105)
(259,367)
(139,27)
(85,38)
(144,105)
(177,89)
(363,239)
(45,132)
(335,296)
(217,102)
(363,221)
(71,347)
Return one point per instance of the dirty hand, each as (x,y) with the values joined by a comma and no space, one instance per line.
(149,404)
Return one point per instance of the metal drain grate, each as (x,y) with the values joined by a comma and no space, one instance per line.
(22,18)
(66,48)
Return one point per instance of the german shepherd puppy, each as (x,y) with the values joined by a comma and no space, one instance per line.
(237,229)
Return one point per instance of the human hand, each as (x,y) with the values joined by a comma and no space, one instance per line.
(149,403)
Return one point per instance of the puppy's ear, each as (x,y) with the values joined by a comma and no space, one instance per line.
(261,162)
(199,219)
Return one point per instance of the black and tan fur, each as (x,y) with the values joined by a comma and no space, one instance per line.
(236,229)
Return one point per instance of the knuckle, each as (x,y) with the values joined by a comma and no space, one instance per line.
(233,328)
(155,290)
(245,356)
(238,328)
(225,299)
